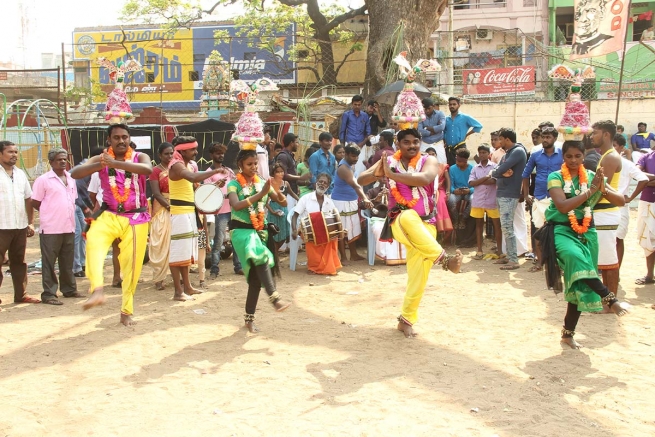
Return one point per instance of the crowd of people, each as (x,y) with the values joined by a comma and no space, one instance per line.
(417,189)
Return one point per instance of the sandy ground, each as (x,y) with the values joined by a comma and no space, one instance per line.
(487,361)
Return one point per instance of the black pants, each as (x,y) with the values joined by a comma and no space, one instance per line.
(57,247)
(258,277)
(572,313)
(15,241)
(450,153)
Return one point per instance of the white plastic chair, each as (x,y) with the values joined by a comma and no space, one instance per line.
(370,241)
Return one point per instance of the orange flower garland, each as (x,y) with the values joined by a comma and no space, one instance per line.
(400,199)
(256,218)
(120,198)
(568,184)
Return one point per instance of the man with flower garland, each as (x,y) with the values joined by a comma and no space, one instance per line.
(182,174)
(411,218)
(123,215)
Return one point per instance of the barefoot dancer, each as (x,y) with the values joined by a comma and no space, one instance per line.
(184,229)
(123,215)
(250,236)
(570,222)
(412,209)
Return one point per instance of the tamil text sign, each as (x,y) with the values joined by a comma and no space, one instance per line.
(495,82)
(629,90)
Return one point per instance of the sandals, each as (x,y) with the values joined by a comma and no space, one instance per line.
(535,269)
(478,256)
(28,299)
(510,267)
(501,261)
(53,301)
(645,280)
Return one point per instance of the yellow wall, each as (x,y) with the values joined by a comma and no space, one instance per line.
(354,70)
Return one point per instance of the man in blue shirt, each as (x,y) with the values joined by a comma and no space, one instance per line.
(641,142)
(458,128)
(323,161)
(546,161)
(355,124)
(431,129)
(459,200)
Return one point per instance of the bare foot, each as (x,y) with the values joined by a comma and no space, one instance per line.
(407,330)
(358,257)
(182,297)
(344,262)
(310,272)
(281,305)
(455,263)
(569,341)
(159,285)
(606,310)
(250,326)
(191,291)
(97,298)
(127,320)
(620,308)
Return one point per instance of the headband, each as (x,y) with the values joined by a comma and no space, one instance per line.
(186,146)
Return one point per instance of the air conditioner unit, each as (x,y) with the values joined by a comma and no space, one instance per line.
(483,34)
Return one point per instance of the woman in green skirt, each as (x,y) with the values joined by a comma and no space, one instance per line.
(573,191)
(250,237)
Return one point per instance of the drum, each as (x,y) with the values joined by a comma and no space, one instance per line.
(208,199)
(320,228)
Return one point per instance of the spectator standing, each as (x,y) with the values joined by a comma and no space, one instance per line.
(54,195)
(376,120)
(431,129)
(355,125)
(484,200)
(83,208)
(323,161)
(288,161)
(458,128)
(16,219)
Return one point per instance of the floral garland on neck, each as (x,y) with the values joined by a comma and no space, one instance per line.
(256,218)
(568,188)
(411,168)
(127,184)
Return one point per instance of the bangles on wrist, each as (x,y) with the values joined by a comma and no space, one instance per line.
(248,201)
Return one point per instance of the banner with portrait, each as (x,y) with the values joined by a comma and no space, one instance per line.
(599,27)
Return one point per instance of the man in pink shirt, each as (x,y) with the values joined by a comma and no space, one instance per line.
(53,195)
(217,153)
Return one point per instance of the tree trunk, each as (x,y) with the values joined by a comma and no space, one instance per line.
(419,18)
(328,75)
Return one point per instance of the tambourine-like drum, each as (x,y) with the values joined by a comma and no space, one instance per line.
(320,228)
(208,199)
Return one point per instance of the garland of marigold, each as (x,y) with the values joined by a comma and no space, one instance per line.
(256,218)
(568,184)
(400,199)
(121,198)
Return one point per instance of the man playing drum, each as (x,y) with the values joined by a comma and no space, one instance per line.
(322,259)
(411,217)
(184,228)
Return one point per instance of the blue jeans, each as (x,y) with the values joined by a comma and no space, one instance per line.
(80,243)
(222,220)
(506,208)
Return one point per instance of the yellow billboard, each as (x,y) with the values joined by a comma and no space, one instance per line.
(168,66)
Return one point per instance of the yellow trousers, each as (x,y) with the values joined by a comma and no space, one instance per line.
(104,230)
(420,239)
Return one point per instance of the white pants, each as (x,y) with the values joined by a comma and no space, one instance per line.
(520,231)
(439,148)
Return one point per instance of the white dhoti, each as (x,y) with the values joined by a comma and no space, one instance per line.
(622,231)
(349,212)
(607,223)
(184,240)
(539,208)
(636,154)
(393,253)
(646,226)
(520,231)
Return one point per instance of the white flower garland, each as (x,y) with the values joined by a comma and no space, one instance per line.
(251,190)
(568,188)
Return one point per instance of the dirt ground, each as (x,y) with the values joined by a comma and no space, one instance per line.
(487,361)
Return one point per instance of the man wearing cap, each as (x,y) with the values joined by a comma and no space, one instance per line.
(431,129)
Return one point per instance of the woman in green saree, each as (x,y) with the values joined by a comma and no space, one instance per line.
(576,242)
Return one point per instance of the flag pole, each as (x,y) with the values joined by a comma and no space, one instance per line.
(625,42)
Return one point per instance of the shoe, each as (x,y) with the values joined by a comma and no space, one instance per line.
(80,274)
(213,276)
(239,272)
(530,255)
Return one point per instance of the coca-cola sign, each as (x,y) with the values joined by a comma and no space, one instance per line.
(494,82)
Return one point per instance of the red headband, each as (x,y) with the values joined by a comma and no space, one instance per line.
(186,146)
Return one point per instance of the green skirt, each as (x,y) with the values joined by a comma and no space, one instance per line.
(251,249)
(577,259)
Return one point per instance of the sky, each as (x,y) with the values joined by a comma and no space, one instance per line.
(32,27)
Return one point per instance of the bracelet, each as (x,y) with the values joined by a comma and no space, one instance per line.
(593,187)
(247,199)
(587,193)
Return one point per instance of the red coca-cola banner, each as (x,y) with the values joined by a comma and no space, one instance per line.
(494,82)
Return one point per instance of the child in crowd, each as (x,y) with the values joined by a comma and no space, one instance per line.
(459,202)
(484,199)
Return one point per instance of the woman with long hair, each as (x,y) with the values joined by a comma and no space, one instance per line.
(277,213)
(251,238)
(570,233)
(160,223)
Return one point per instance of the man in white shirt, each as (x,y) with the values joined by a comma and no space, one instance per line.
(629,171)
(16,219)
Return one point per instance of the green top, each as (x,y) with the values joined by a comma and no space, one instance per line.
(301,170)
(556,180)
(243,215)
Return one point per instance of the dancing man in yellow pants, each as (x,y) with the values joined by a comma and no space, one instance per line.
(411,217)
(124,215)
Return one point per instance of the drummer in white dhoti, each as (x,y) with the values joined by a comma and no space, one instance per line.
(184,229)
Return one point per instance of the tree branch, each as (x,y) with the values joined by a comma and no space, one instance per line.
(343,61)
(295,2)
(343,17)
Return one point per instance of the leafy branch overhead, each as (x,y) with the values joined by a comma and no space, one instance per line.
(318,29)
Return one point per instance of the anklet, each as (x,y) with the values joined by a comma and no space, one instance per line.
(249,317)
(273,298)
(401,319)
(608,300)
(444,262)
(567,333)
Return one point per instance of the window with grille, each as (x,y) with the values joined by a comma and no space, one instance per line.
(513,55)
(150,77)
(193,76)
